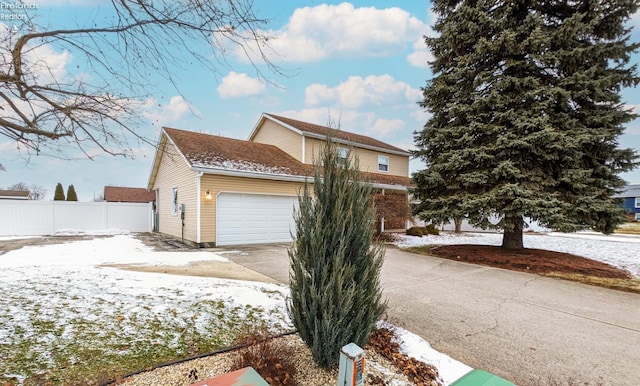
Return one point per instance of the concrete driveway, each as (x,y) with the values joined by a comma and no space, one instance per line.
(528,329)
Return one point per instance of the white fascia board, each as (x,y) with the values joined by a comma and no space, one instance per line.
(269,117)
(279,177)
(164,134)
(389,187)
(240,173)
(156,160)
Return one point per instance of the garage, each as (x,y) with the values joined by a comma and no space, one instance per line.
(244,218)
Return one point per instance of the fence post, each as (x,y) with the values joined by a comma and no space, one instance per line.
(351,370)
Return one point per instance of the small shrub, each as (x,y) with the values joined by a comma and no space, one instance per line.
(431,229)
(271,358)
(415,231)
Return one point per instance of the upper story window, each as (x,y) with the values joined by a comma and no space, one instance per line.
(342,155)
(637,202)
(174,202)
(383,163)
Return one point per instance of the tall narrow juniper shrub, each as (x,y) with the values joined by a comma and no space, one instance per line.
(336,297)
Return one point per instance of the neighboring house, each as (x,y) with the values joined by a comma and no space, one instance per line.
(631,200)
(122,194)
(213,190)
(14,194)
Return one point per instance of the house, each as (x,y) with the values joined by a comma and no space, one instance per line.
(212,190)
(122,194)
(14,194)
(630,196)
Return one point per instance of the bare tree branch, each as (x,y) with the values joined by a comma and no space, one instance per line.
(45,108)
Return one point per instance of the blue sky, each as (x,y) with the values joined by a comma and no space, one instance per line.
(359,62)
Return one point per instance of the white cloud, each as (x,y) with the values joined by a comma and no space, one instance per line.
(314,33)
(383,128)
(421,56)
(357,92)
(237,85)
(171,112)
(349,120)
(40,61)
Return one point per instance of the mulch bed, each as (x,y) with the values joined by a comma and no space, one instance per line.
(529,260)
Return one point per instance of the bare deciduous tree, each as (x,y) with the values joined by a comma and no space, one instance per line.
(36,192)
(117,57)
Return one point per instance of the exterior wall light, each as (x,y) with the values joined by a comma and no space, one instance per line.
(207,195)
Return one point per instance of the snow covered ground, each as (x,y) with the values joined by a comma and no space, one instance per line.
(65,289)
(617,250)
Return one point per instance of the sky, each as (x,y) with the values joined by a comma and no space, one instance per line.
(359,63)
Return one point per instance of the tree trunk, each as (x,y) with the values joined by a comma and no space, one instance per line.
(512,239)
(458,224)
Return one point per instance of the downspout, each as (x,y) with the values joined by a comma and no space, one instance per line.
(382,219)
(198,203)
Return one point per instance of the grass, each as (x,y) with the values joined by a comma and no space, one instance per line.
(89,351)
(630,228)
(58,329)
(628,285)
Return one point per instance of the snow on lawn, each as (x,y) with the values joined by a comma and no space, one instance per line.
(619,251)
(59,303)
(59,297)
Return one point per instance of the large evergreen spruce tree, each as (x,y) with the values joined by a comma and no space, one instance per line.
(526,114)
(58,195)
(336,297)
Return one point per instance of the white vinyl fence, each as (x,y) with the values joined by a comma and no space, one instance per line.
(33,218)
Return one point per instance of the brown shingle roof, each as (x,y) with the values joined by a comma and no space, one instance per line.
(211,151)
(18,194)
(121,194)
(215,152)
(310,128)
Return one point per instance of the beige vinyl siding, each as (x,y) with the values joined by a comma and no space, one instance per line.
(217,184)
(274,134)
(173,172)
(398,164)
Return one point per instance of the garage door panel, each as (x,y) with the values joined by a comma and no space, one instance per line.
(254,218)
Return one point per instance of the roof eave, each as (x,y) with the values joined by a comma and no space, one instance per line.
(389,186)
(266,116)
(357,144)
(280,177)
(247,174)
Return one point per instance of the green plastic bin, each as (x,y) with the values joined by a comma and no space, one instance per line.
(481,378)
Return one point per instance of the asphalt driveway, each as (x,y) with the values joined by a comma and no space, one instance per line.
(528,329)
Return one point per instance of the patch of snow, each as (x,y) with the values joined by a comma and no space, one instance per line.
(414,346)
(619,251)
(243,166)
(120,249)
(97,232)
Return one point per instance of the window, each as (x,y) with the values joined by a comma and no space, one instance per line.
(383,163)
(637,202)
(174,202)
(342,155)
(637,216)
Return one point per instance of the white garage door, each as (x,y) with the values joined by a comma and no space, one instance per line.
(254,218)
